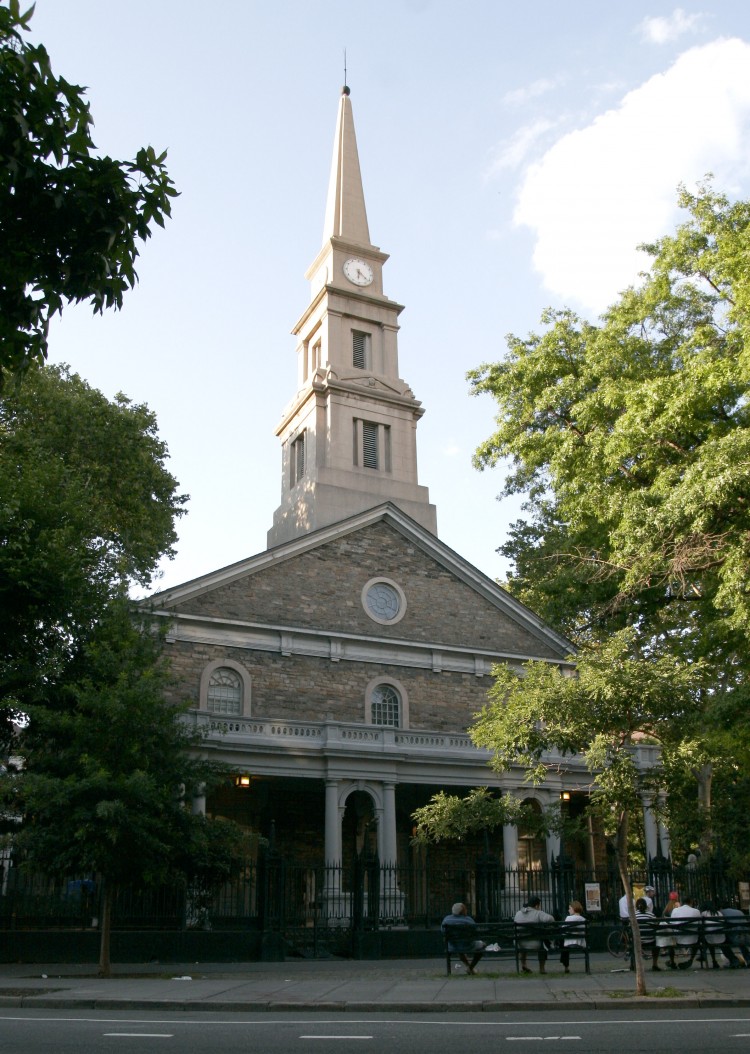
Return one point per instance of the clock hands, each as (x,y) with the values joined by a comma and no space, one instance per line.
(358,272)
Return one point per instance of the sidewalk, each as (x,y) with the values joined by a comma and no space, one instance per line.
(416,985)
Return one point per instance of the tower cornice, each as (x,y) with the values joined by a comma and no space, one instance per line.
(337,291)
(324,383)
(371,252)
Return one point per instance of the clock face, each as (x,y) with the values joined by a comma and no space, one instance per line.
(358,272)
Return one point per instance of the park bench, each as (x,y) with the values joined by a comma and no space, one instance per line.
(701,933)
(508,936)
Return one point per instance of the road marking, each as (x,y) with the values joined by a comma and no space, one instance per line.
(335,1037)
(540,1039)
(142,1035)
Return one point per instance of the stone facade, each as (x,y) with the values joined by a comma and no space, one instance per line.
(294,622)
(312,689)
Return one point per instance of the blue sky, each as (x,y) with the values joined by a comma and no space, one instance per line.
(513,156)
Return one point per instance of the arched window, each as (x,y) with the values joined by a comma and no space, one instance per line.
(386,703)
(224,695)
(225,688)
(385,706)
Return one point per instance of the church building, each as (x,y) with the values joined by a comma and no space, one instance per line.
(336,672)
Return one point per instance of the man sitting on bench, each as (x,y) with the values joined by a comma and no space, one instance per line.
(459,917)
(531,913)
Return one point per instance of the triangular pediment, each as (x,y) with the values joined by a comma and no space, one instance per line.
(371,383)
(314,583)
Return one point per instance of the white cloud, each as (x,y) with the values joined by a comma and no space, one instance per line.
(519,96)
(662,30)
(513,152)
(601,190)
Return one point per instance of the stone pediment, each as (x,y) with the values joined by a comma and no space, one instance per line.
(312,588)
(360,379)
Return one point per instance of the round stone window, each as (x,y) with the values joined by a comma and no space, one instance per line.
(384,601)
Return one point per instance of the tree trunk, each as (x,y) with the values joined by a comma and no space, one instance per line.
(106,930)
(622,864)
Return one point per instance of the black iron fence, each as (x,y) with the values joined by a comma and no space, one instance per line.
(304,903)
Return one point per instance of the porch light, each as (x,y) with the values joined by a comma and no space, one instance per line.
(565,795)
(242,781)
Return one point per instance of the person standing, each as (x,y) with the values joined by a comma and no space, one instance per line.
(531,913)
(622,903)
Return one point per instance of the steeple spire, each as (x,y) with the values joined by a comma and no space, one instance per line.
(348,437)
(346,216)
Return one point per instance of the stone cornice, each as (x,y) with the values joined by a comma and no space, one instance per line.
(336,291)
(336,646)
(369,387)
(344,245)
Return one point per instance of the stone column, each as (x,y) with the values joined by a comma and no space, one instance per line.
(389,847)
(332,854)
(553,847)
(332,847)
(510,846)
(199,800)
(650,828)
(391,898)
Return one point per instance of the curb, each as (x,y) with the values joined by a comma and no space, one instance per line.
(410,1007)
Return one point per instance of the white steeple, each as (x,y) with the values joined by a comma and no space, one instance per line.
(346,216)
(349,435)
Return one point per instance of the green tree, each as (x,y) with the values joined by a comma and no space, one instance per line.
(448,818)
(107,774)
(537,718)
(70,221)
(630,442)
(87,507)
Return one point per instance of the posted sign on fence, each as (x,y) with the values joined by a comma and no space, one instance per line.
(593,894)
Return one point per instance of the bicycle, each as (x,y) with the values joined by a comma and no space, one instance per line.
(618,942)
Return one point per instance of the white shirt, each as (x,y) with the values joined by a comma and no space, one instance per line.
(623,902)
(686,911)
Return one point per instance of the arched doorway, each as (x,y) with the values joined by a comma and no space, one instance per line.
(532,847)
(359,829)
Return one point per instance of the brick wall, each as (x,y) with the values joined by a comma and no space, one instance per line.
(304,688)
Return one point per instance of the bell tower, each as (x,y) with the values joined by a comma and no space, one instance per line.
(349,435)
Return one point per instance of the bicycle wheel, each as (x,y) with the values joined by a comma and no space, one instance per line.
(617,943)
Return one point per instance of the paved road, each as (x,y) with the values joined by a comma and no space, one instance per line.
(70,1032)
